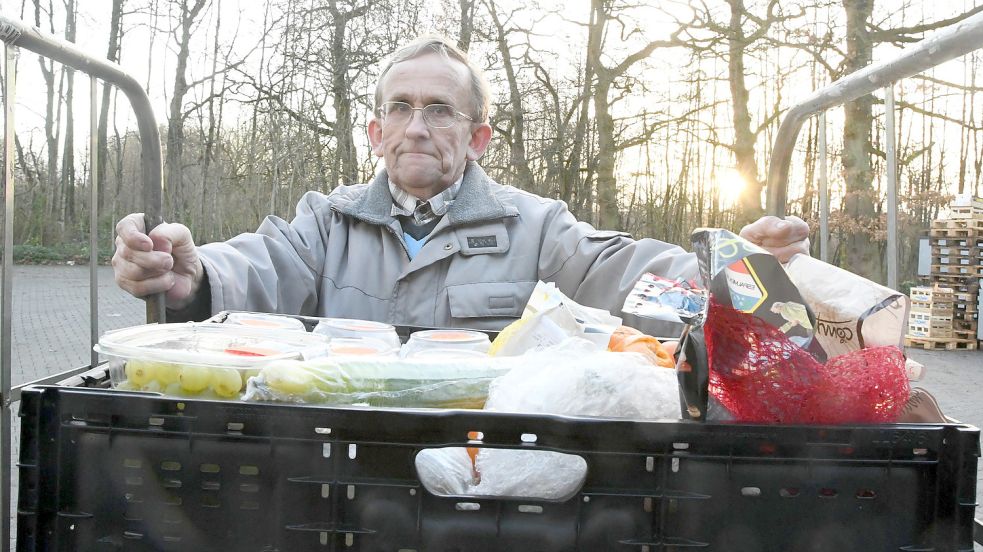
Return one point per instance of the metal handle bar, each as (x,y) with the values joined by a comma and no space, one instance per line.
(17,33)
(943,46)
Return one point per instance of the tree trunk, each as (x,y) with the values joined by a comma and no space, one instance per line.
(346,171)
(747,165)
(112,54)
(858,204)
(50,194)
(175,118)
(518,162)
(68,214)
(467,24)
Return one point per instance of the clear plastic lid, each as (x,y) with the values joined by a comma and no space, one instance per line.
(351,328)
(446,339)
(263,320)
(359,347)
(211,344)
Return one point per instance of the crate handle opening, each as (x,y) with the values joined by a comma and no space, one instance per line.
(453,472)
(752,492)
(866,494)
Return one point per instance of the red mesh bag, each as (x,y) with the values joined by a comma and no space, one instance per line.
(761,376)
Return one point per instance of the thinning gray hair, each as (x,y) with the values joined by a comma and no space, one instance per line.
(480,95)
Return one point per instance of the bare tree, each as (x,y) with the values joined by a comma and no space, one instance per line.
(176,115)
(112,54)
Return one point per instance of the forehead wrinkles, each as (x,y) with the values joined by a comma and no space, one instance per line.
(428,79)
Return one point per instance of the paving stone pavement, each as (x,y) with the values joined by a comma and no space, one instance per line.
(50,327)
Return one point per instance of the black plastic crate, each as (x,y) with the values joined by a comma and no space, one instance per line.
(104,470)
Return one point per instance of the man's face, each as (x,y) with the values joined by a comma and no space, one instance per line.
(422,160)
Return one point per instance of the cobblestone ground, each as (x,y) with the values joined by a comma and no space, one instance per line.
(51,334)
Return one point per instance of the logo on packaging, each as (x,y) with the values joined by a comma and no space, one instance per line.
(746,291)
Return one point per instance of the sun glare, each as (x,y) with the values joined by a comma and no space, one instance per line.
(729,185)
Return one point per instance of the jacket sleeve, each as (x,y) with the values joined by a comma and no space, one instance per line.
(276,268)
(599,268)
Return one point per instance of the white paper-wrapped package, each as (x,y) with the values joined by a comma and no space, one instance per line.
(852,312)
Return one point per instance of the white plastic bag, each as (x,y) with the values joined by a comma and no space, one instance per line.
(572,378)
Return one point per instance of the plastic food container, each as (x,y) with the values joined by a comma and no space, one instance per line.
(446,354)
(267,321)
(199,360)
(446,339)
(351,328)
(351,346)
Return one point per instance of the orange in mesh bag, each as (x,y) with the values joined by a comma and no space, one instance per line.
(761,376)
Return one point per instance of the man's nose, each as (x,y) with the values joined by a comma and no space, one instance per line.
(416,125)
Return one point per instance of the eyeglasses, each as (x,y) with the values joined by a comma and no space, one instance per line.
(435,115)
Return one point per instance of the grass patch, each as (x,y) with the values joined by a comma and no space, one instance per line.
(57,254)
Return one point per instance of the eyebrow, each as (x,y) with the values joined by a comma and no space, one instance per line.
(399,97)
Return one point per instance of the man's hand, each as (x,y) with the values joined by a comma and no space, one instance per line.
(163,261)
(783,238)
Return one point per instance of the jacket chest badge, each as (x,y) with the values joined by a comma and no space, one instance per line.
(482,242)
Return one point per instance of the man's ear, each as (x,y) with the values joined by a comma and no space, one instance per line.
(480,137)
(375,136)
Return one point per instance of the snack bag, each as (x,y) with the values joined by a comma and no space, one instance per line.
(764,362)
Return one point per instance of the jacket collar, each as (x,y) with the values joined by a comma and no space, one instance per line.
(475,202)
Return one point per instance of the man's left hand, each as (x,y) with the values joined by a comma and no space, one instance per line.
(783,238)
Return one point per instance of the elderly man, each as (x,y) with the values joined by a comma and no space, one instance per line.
(432,241)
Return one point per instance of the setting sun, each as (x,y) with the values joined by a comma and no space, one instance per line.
(728,186)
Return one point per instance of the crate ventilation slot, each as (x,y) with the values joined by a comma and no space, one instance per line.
(530,509)
(467,506)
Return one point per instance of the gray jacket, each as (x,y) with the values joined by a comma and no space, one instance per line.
(343,255)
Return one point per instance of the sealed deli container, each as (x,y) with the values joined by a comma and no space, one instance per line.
(201,360)
(350,328)
(468,340)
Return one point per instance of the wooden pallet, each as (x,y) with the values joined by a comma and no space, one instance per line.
(968,335)
(940,344)
(954,233)
(964,271)
(956,243)
(958,224)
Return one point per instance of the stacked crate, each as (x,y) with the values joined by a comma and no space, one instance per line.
(946,315)
(931,313)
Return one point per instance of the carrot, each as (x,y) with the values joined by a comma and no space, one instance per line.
(626,339)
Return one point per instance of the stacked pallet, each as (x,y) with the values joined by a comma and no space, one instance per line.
(945,315)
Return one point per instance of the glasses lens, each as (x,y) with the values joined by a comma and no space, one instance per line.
(439,115)
(396,112)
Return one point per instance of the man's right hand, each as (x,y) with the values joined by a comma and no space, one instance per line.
(166,260)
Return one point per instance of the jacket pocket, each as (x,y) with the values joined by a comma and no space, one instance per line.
(489,299)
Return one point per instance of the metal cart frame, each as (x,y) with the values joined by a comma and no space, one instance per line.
(943,46)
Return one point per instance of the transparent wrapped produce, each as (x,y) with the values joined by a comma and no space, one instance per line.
(199,360)
(426,382)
